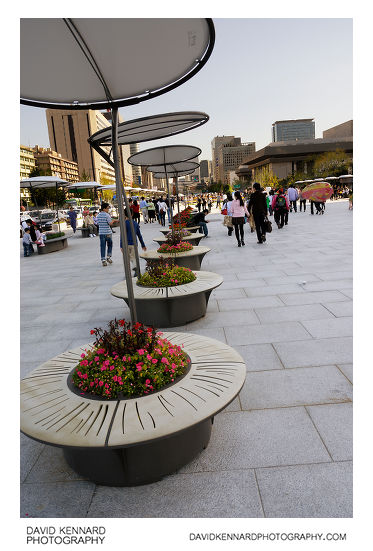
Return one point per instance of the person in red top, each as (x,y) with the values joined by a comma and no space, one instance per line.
(136,211)
(280,206)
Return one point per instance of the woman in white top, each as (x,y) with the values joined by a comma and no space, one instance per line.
(162,211)
(227,204)
(239,210)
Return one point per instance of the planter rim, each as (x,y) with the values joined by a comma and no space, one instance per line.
(204,281)
(51,413)
(192,237)
(197,249)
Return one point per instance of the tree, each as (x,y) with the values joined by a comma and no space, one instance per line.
(332,163)
(266,178)
(84,177)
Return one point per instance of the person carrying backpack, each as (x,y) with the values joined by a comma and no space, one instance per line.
(280,208)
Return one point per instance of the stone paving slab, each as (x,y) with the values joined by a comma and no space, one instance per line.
(340,309)
(312,298)
(324,329)
(30,453)
(224,319)
(310,353)
(226,305)
(334,424)
(200,495)
(56,499)
(272,437)
(259,357)
(269,333)
(308,491)
(293,313)
(51,466)
(294,387)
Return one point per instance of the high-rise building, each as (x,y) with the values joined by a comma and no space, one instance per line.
(295,129)
(48,160)
(68,134)
(228,155)
(26,161)
(205,171)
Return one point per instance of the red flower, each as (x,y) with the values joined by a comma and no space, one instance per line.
(93,332)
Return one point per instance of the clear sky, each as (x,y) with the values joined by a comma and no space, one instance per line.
(260,71)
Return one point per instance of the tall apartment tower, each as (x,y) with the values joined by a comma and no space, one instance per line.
(228,155)
(205,170)
(295,129)
(68,135)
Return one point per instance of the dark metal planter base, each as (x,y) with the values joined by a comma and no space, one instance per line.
(194,239)
(171,312)
(142,463)
(53,245)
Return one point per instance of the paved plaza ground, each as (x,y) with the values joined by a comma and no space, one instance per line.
(283,447)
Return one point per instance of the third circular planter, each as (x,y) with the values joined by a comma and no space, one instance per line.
(188,259)
(171,306)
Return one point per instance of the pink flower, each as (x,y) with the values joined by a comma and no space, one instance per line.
(154,360)
(111,368)
(147,382)
(165,361)
(96,358)
(106,363)
(84,362)
(124,358)
(91,384)
(141,351)
(101,383)
(100,351)
(148,357)
(82,355)
(115,378)
(139,366)
(106,385)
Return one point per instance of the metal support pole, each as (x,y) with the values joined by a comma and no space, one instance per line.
(122,223)
(168,192)
(177,199)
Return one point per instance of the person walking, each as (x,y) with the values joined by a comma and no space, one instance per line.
(136,211)
(238,217)
(162,206)
(292,197)
(144,209)
(302,203)
(269,201)
(258,206)
(151,211)
(280,207)
(227,204)
(72,216)
(131,246)
(199,204)
(104,222)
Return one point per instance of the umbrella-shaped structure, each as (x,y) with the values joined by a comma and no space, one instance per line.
(45,182)
(163,158)
(319,192)
(93,53)
(174,171)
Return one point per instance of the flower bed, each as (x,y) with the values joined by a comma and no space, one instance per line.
(181,247)
(179,232)
(184,217)
(54,235)
(164,273)
(128,360)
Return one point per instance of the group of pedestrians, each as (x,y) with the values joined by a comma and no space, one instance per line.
(32,235)
(152,210)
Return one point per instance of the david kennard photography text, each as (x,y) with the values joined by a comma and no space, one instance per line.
(65,535)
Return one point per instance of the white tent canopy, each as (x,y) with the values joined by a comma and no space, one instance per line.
(43,182)
(84,185)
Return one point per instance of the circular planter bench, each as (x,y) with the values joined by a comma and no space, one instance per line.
(193,239)
(125,442)
(171,306)
(53,245)
(192,229)
(188,259)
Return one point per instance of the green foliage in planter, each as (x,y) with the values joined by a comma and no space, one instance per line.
(128,360)
(164,273)
(54,235)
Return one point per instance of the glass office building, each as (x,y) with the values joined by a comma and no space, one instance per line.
(296,129)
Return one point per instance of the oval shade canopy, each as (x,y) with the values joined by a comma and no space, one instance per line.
(164,155)
(150,128)
(177,168)
(104,62)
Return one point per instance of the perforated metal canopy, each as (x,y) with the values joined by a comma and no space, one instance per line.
(176,168)
(164,155)
(84,185)
(171,174)
(105,62)
(151,128)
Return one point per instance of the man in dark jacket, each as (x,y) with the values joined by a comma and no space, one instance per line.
(258,206)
